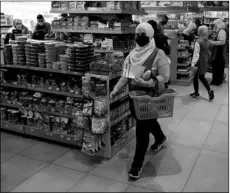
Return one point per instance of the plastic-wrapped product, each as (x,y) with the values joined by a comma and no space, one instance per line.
(100,106)
(89,144)
(88,108)
(85,85)
(99,124)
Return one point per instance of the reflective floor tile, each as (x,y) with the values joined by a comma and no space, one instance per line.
(47,152)
(190,133)
(223,115)
(134,188)
(17,144)
(51,179)
(169,169)
(17,169)
(210,173)
(77,160)
(92,183)
(218,138)
(5,156)
(203,111)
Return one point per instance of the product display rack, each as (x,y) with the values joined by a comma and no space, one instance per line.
(109,147)
(179,70)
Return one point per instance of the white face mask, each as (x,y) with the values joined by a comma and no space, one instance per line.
(40,23)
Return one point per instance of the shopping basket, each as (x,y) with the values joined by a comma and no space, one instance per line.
(147,107)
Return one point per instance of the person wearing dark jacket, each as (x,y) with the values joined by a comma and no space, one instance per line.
(41,29)
(160,39)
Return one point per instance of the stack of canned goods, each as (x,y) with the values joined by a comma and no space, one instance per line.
(42,60)
(51,54)
(8,54)
(63,59)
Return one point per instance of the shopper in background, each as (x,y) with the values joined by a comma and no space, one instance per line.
(18,28)
(42,29)
(198,24)
(164,21)
(160,39)
(145,54)
(200,62)
(189,32)
(218,58)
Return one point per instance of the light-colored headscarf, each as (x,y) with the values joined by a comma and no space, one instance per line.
(140,54)
(219,24)
(203,31)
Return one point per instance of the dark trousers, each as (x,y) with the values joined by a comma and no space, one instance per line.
(143,129)
(196,82)
(217,71)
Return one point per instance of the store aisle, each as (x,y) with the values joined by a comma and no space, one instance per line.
(194,159)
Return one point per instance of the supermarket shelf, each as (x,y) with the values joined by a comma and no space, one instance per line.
(188,56)
(5,125)
(38,110)
(215,8)
(67,139)
(184,65)
(54,92)
(13,85)
(135,12)
(114,122)
(184,73)
(11,105)
(99,31)
(55,71)
(42,69)
(170,9)
(111,51)
(121,96)
(14,66)
(104,76)
(120,143)
(182,82)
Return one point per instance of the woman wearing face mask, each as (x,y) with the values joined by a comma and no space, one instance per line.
(42,29)
(218,61)
(18,27)
(145,54)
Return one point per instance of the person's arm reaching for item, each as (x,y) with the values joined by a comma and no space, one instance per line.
(221,39)
(120,84)
(196,54)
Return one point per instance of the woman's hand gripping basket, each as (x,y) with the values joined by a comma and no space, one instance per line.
(159,106)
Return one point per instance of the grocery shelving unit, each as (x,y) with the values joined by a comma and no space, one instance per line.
(109,149)
(179,71)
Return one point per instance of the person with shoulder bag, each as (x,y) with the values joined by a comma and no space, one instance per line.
(145,54)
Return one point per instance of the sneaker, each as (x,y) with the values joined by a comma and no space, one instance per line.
(195,95)
(211,95)
(135,173)
(157,146)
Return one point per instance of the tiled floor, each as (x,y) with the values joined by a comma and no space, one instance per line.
(195,158)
